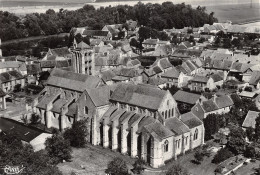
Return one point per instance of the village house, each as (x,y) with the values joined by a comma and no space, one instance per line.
(255,79)
(128,74)
(163,63)
(62,53)
(116,30)
(152,72)
(2,99)
(10,79)
(172,77)
(97,34)
(187,99)
(6,66)
(216,105)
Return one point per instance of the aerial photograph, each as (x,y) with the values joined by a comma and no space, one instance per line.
(129,87)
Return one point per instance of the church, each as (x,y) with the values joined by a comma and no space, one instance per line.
(137,120)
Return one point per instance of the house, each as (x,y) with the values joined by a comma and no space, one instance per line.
(158,82)
(249,95)
(187,99)
(128,74)
(216,105)
(199,83)
(33,72)
(12,65)
(249,121)
(62,53)
(185,45)
(150,43)
(163,63)
(133,63)
(143,121)
(154,71)
(98,34)
(115,30)
(255,79)
(172,77)
(27,134)
(10,79)
(107,76)
(96,43)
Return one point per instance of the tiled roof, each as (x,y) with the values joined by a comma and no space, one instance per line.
(157,81)
(198,78)
(95,33)
(216,77)
(150,41)
(223,101)
(48,64)
(176,126)
(191,120)
(10,75)
(71,80)
(247,94)
(107,75)
(255,78)
(209,106)
(100,96)
(142,96)
(61,52)
(250,119)
(128,72)
(186,97)
(25,133)
(172,73)
(83,45)
(160,131)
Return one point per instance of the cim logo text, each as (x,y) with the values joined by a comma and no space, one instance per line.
(13,169)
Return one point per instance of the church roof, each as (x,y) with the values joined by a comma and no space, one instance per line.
(72,81)
(191,120)
(138,95)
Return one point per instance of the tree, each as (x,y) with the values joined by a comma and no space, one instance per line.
(250,152)
(58,148)
(211,124)
(236,142)
(77,134)
(138,166)
(257,128)
(221,155)
(35,119)
(176,169)
(226,43)
(250,133)
(117,167)
(198,156)
(13,152)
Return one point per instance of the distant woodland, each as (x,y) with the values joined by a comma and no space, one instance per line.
(165,16)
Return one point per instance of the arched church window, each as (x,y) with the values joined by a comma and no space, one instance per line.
(196,134)
(166,146)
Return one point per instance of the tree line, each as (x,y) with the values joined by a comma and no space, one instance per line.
(156,16)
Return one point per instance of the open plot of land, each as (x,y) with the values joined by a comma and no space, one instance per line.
(236,13)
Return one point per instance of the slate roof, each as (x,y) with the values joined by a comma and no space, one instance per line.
(186,97)
(72,81)
(255,78)
(10,75)
(172,73)
(128,72)
(157,81)
(25,133)
(191,120)
(250,119)
(176,126)
(137,95)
